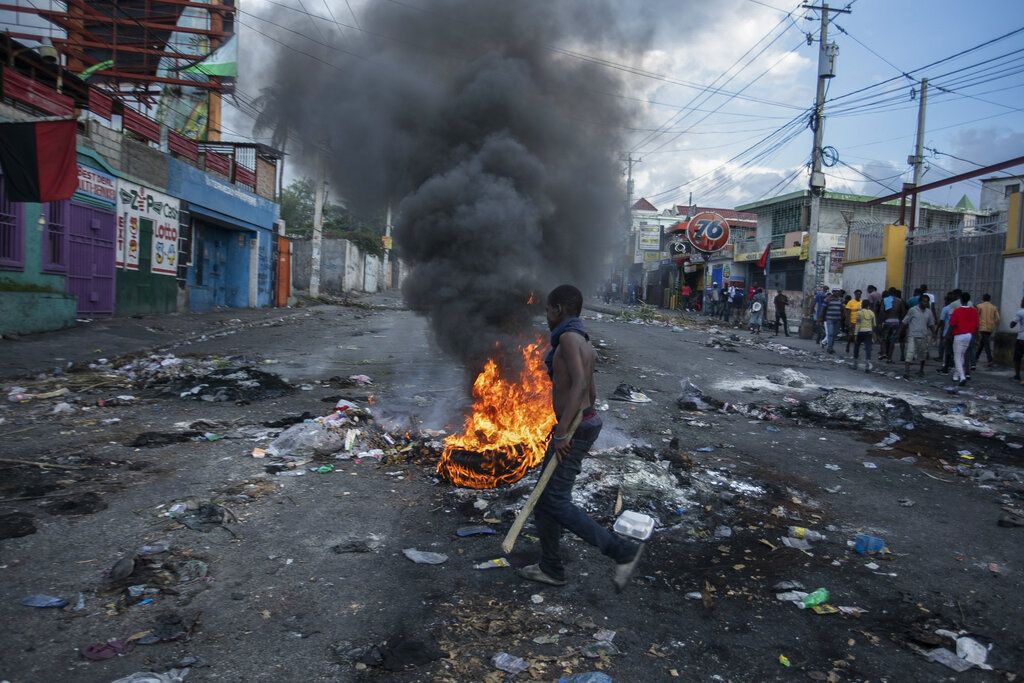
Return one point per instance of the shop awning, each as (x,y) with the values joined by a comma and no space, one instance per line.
(221,219)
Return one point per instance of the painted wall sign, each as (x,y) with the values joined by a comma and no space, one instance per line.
(649,237)
(142,209)
(707,231)
(96,184)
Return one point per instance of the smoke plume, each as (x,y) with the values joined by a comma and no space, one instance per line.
(496,148)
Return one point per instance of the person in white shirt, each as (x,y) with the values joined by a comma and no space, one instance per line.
(1018,350)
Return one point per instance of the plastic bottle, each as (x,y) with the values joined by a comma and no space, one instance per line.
(816,598)
(801,532)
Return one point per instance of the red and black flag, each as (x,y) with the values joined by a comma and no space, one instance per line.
(39,161)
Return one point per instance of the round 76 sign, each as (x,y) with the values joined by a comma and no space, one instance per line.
(707,232)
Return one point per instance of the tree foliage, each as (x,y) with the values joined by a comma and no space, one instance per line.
(297,210)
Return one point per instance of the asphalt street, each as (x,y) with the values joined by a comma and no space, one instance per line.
(267,589)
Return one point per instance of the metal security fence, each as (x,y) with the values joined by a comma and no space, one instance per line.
(966,255)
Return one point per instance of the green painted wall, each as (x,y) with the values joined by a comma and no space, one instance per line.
(31,300)
(26,312)
(140,291)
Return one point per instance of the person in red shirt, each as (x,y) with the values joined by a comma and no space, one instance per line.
(963,326)
(685,293)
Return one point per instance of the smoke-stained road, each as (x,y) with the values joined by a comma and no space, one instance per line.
(279,604)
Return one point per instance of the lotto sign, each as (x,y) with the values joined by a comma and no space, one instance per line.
(144,211)
(707,232)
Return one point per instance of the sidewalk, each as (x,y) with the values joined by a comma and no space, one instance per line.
(995,380)
(112,337)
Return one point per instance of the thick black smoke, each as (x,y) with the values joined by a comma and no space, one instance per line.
(497,150)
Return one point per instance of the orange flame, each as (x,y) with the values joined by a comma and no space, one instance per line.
(531,300)
(507,431)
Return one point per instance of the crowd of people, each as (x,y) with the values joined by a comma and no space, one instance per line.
(960,330)
(735,304)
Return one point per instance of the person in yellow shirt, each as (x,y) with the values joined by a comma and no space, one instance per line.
(852,306)
(864,330)
(988,321)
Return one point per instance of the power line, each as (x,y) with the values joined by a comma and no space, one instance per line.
(720,76)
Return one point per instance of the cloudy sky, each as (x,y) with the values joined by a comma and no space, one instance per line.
(721,89)
(758,59)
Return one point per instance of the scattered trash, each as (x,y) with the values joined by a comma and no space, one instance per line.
(369,544)
(844,407)
(629,393)
(424,557)
(870,465)
(787,585)
(536,599)
(172,676)
(865,544)
(834,468)
(797,543)
(634,525)
(463,532)
(906,502)
(784,661)
(872,566)
(493,564)
(817,597)
(508,663)
(588,677)
(323,469)
(360,380)
(79,603)
(44,601)
(789,378)
(546,640)
(800,532)
(99,652)
(599,649)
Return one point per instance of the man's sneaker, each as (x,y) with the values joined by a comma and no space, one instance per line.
(533,572)
(624,572)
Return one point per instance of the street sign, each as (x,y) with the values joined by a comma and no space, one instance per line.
(708,231)
(679,248)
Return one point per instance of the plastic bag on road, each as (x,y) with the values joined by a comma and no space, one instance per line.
(424,557)
(172,676)
(308,438)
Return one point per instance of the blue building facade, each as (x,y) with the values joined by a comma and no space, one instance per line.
(227,257)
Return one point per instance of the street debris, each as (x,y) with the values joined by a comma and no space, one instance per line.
(789,377)
(498,563)
(44,601)
(424,557)
(629,393)
(368,544)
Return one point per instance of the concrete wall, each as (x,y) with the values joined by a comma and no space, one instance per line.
(860,275)
(343,267)
(128,156)
(26,312)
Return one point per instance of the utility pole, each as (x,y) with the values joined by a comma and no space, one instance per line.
(318,228)
(387,251)
(826,69)
(918,158)
(630,242)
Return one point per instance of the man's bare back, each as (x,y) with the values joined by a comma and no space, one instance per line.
(573,371)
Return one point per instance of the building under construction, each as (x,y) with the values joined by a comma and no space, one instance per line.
(171,59)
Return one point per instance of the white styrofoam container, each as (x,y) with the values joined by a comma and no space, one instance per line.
(635,525)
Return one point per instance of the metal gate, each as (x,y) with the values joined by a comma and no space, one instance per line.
(90,274)
(966,257)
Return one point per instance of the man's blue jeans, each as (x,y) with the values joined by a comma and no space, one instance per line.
(830,334)
(555,510)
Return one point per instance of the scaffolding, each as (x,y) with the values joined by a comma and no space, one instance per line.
(143,51)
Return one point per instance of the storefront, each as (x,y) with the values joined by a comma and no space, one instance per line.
(228,239)
(146,249)
(88,223)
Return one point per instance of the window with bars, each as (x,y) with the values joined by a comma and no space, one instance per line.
(11,233)
(55,237)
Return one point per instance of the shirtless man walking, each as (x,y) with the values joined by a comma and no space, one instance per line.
(571,367)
